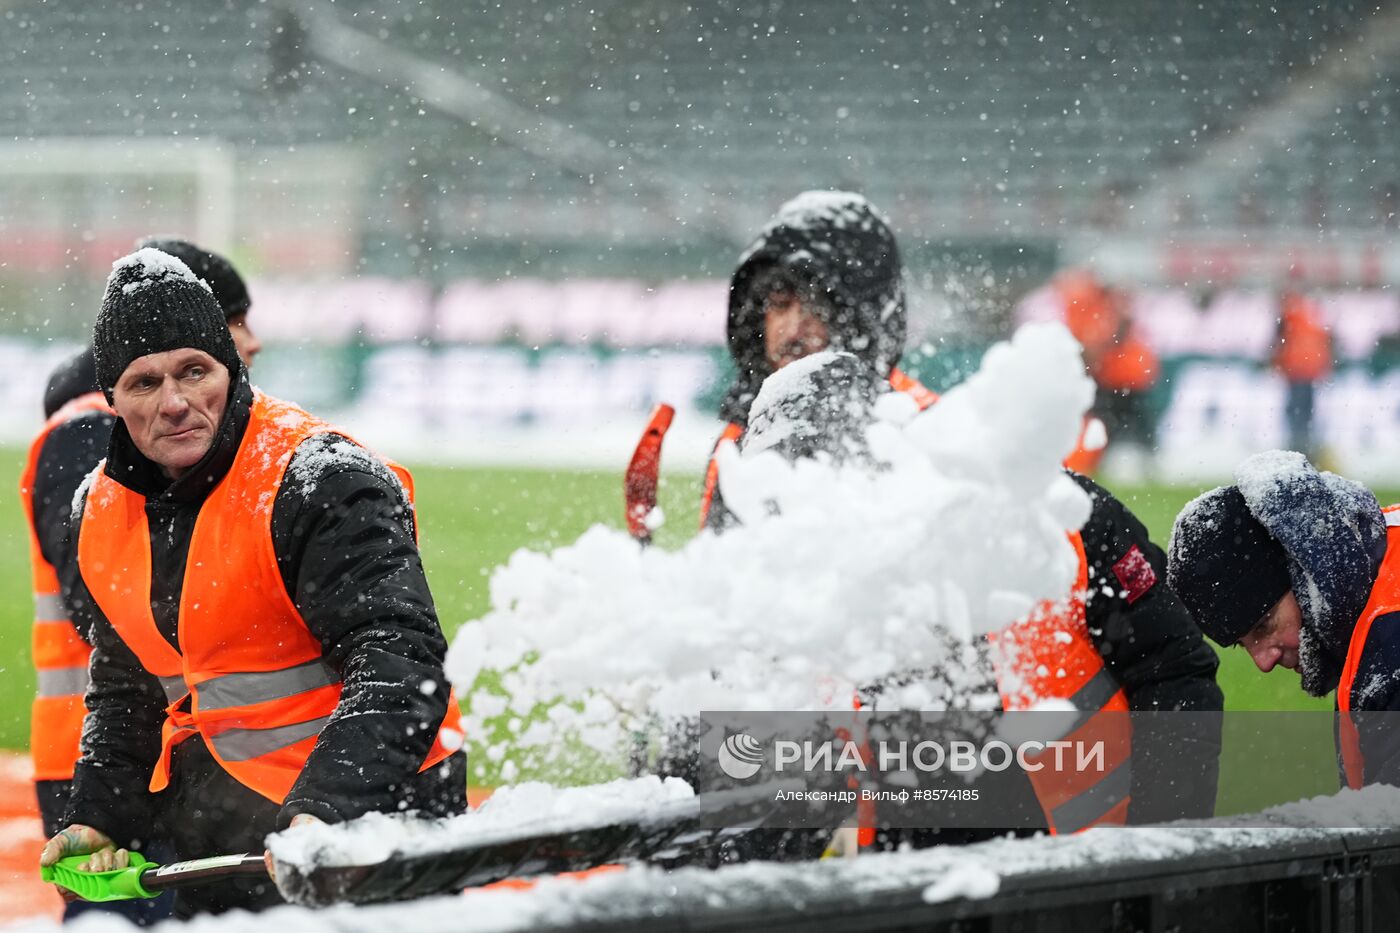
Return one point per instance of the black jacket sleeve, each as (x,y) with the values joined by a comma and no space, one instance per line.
(343,533)
(1155,651)
(68,454)
(121,733)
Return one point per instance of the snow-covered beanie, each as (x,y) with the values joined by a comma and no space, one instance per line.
(229,288)
(154,303)
(1227,569)
(822,403)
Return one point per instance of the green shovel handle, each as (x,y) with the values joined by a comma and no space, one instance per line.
(119,884)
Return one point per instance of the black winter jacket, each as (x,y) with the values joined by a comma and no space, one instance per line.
(344,539)
(1154,649)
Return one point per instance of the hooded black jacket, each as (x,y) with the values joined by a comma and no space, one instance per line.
(1147,638)
(836,242)
(344,540)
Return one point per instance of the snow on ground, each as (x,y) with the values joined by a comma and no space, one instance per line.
(840,578)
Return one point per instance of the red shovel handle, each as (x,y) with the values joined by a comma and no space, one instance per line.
(639,483)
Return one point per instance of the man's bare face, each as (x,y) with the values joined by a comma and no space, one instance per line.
(246,342)
(172,403)
(1274,640)
(791,331)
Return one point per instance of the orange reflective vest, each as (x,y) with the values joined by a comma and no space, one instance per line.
(1051,656)
(1127,365)
(1304,351)
(249,677)
(60,653)
(923,397)
(1385,598)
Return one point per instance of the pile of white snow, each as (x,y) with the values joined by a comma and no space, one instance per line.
(836,578)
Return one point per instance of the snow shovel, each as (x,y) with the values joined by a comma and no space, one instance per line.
(144,878)
(680,832)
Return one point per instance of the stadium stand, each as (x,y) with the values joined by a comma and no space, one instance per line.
(1006,118)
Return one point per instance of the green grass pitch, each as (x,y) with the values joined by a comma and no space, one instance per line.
(472,519)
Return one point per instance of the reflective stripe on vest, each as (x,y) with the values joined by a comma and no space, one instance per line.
(243,744)
(258,719)
(1092,806)
(174,687)
(48,607)
(1097,693)
(1384,599)
(262,686)
(60,654)
(922,396)
(1051,656)
(63,681)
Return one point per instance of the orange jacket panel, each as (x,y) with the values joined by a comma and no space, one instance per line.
(1385,598)
(1050,655)
(1090,313)
(60,653)
(249,676)
(1128,365)
(1304,352)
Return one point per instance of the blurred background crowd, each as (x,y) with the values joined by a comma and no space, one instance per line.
(500,232)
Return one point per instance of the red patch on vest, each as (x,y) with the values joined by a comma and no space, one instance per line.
(1135,573)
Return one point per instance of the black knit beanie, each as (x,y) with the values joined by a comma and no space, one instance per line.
(1227,569)
(75,376)
(229,288)
(154,303)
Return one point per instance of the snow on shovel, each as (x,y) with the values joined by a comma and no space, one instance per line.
(382,857)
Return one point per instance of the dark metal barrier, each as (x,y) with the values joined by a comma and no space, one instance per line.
(1303,882)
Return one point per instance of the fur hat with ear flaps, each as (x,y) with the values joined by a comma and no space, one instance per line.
(1283,526)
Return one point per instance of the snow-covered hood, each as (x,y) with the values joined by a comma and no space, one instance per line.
(836,240)
(1332,530)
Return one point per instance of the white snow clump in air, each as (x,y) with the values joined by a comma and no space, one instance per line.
(155,265)
(1095,435)
(836,578)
